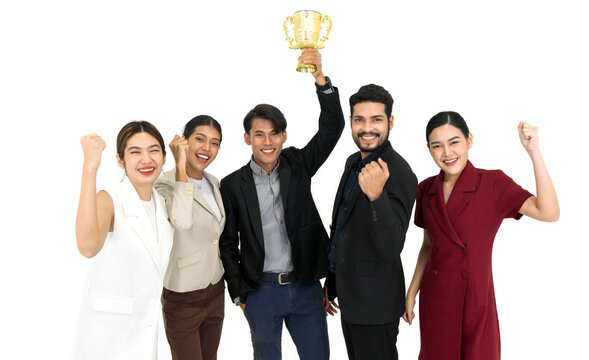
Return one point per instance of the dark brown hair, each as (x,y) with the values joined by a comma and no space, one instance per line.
(135,127)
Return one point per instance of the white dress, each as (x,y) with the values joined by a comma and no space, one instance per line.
(121,300)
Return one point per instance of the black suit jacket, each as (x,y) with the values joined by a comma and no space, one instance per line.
(242,242)
(369,279)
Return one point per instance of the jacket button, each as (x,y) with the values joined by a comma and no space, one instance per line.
(435,272)
(215,241)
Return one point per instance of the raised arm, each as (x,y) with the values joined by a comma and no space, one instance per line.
(179,147)
(426,247)
(331,118)
(177,192)
(311,56)
(544,206)
(95,211)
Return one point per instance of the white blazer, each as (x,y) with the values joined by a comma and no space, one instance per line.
(121,300)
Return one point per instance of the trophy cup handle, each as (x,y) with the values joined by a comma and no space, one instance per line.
(291,41)
(321,42)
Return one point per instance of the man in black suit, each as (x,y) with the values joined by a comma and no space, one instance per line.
(370,218)
(274,245)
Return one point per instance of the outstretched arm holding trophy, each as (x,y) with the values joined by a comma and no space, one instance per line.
(313,57)
(274,245)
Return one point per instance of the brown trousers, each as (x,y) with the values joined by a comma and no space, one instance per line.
(193,321)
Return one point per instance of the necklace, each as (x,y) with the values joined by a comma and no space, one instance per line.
(197,183)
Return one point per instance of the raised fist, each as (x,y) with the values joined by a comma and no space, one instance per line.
(92,145)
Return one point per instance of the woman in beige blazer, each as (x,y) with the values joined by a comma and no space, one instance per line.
(193,294)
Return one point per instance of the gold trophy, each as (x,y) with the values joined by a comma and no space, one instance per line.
(307,25)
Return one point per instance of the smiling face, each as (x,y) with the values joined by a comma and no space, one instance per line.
(143,159)
(266,143)
(449,149)
(203,146)
(370,126)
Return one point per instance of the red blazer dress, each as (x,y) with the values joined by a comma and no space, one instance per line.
(458,316)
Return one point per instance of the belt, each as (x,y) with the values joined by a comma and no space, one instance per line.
(279,278)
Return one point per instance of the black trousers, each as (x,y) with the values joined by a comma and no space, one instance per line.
(371,342)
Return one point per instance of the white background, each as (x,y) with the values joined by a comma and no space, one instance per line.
(73,67)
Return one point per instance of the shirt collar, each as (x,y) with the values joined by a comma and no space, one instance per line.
(360,163)
(257,169)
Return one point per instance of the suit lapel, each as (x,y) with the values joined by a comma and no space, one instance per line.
(437,207)
(136,216)
(218,200)
(384,154)
(197,196)
(164,233)
(248,188)
(352,203)
(357,191)
(284,177)
(448,214)
(461,194)
(340,189)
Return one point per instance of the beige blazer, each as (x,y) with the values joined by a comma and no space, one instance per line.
(195,262)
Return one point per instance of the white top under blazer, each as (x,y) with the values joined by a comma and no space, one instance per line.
(121,300)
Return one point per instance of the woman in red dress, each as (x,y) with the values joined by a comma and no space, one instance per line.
(461,210)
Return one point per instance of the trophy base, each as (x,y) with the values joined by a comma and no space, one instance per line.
(306,68)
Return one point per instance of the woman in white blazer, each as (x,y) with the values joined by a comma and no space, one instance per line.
(125,232)
(193,295)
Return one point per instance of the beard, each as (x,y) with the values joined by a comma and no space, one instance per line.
(381,140)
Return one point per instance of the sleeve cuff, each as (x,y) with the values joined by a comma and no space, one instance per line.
(376,204)
(186,188)
(327,88)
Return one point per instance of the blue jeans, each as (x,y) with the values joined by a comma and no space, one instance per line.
(301,309)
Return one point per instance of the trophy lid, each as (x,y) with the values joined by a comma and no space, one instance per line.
(308,11)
